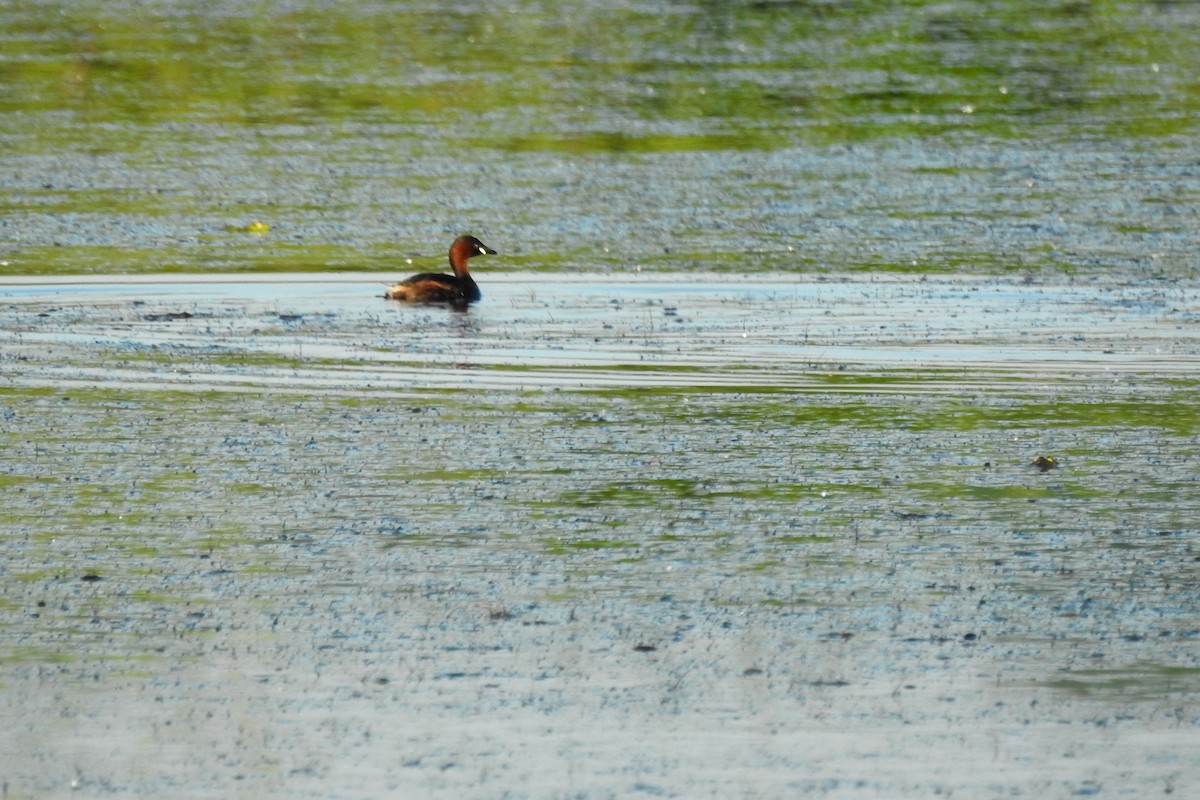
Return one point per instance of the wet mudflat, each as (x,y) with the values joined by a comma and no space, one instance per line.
(718,537)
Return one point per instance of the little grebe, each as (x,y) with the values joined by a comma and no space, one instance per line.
(458,289)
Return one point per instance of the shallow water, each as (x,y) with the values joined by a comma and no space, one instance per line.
(281,536)
(964,138)
(727,487)
(586,332)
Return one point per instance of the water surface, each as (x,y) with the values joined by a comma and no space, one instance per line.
(728,486)
(580,539)
(962,138)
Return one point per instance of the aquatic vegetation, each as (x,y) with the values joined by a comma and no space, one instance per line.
(1138,681)
(733,467)
(915,139)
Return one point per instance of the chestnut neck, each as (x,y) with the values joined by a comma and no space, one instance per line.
(460,251)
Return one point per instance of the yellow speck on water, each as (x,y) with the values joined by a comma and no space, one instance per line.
(258,228)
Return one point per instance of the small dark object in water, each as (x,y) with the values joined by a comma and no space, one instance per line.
(168,316)
(644,648)
(459,289)
(1045,463)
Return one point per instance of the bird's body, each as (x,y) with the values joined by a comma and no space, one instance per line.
(458,290)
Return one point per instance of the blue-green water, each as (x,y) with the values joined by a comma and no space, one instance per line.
(725,489)
(972,137)
(601,536)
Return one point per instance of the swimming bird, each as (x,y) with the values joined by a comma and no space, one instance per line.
(459,289)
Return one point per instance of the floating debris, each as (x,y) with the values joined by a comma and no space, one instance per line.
(257,228)
(1045,463)
(168,316)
